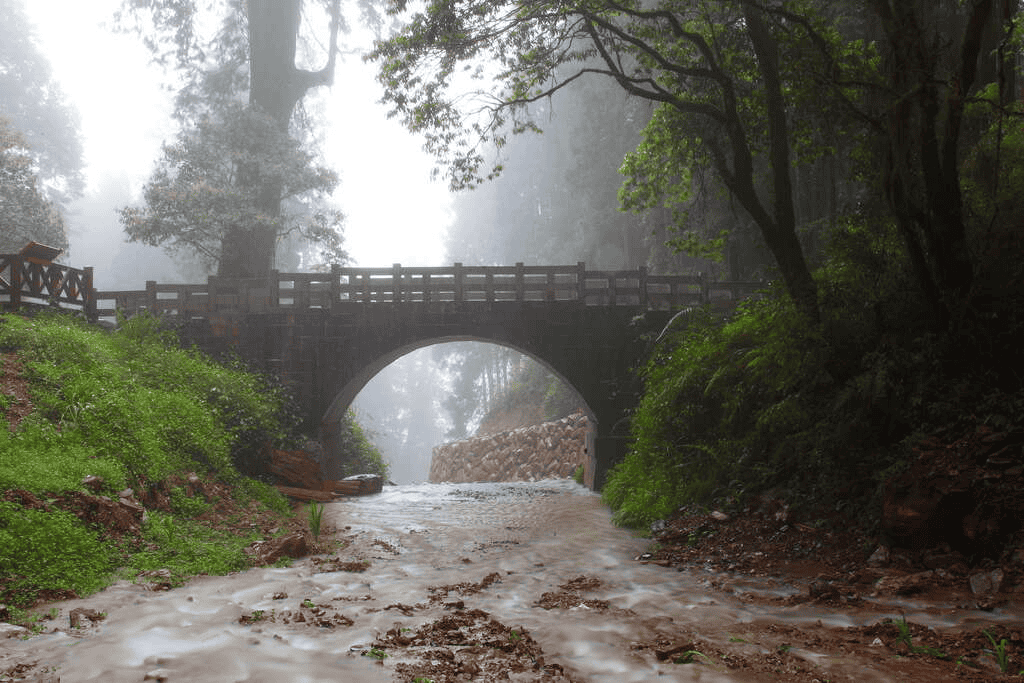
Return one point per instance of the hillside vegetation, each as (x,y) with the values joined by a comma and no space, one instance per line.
(104,423)
(822,416)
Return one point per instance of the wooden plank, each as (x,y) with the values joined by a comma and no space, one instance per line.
(306,494)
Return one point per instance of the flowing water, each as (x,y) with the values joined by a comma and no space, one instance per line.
(530,539)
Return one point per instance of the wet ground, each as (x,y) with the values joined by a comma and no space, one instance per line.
(520,582)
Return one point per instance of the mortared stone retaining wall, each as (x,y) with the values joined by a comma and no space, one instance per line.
(551,450)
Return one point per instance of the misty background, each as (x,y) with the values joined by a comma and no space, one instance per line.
(556,202)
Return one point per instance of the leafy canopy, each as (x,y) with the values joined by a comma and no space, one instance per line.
(210,181)
(25,212)
(37,108)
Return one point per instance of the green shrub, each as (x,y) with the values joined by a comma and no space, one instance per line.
(40,459)
(185,505)
(48,550)
(359,454)
(767,400)
(135,410)
(134,397)
(188,549)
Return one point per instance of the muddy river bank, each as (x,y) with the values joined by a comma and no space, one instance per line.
(494,582)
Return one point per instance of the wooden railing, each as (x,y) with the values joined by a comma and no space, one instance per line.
(346,287)
(25,281)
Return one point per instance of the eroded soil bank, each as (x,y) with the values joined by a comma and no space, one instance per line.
(521,582)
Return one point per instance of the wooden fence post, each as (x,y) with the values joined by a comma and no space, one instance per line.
(459,293)
(642,282)
(16,265)
(396,283)
(89,295)
(334,286)
(151,296)
(274,289)
(581,281)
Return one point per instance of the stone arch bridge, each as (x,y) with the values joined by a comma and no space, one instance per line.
(327,334)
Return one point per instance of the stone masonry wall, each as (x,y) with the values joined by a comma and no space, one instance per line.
(547,451)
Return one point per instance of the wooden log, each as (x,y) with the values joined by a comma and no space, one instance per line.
(305,494)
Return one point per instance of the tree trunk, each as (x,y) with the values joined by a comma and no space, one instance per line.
(780,230)
(923,174)
(275,87)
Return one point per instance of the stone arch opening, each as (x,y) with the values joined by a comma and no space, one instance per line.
(346,390)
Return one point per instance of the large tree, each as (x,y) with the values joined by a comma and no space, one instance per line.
(195,200)
(26,214)
(253,56)
(36,107)
(930,73)
(724,74)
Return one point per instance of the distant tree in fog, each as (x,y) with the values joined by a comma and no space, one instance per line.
(207,187)
(37,109)
(255,55)
(26,214)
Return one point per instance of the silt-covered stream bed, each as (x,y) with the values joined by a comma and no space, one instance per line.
(488,582)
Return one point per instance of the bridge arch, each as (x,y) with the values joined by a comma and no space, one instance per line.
(346,395)
(323,333)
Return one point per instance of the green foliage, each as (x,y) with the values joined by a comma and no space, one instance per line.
(359,455)
(28,214)
(133,398)
(185,505)
(187,548)
(316,516)
(38,458)
(215,178)
(249,490)
(767,400)
(999,653)
(134,410)
(49,550)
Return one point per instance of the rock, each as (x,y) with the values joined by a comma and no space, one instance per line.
(157,675)
(77,615)
(116,518)
(298,469)
(879,558)
(822,590)
(93,483)
(904,585)
(12,631)
(941,560)
(719,516)
(986,583)
(269,552)
(368,483)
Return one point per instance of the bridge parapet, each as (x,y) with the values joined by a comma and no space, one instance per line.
(344,287)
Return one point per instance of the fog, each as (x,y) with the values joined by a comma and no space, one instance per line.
(556,203)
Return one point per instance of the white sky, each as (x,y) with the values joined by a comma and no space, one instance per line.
(394,213)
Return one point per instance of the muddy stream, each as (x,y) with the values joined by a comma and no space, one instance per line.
(521,582)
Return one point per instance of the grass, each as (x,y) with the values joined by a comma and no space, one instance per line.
(316,515)
(999,652)
(133,409)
